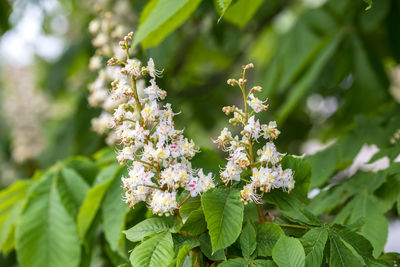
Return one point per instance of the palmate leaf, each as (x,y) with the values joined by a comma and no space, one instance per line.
(223,211)
(113,213)
(365,206)
(360,244)
(46,234)
(205,246)
(288,252)
(248,240)
(341,254)
(93,199)
(146,228)
(314,243)
(154,252)
(11,200)
(237,262)
(195,224)
(164,17)
(267,235)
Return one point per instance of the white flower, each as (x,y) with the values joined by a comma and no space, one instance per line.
(103,123)
(119,113)
(95,63)
(264,178)
(253,127)
(160,154)
(152,69)
(150,111)
(133,67)
(256,104)
(269,154)
(200,184)
(224,137)
(140,133)
(248,194)
(163,202)
(239,157)
(232,171)
(205,181)
(284,179)
(127,153)
(154,92)
(270,130)
(188,148)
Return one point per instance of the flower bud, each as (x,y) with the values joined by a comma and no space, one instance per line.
(232,82)
(256,89)
(250,66)
(112,61)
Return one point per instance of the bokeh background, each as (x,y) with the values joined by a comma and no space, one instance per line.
(328,68)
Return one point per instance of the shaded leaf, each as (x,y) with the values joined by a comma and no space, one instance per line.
(314,243)
(146,228)
(46,234)
(154,252)
(267,235)
(223,211)
(288,252)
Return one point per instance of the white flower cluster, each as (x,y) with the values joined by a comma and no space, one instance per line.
(267,173)
(25,110)
(157,155)
(107,28)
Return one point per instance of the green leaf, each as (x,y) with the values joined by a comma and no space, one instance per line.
(391,258)
(164,18)
(341,255)
(184,251)
(192,204)
(369,2)
(237,262)
(94,197)
(146,228)
(375,229)
(113,213)
(241,12)
(10,196)
(77,186)
(11,200)
(223,211)
(329,46)
(46,234)
(263,263)
(267,235)
(86,168)
(314,243)
(222,7)
(154,252)
(288,252)
(7,230)
(205,246)
(248,240)
(360,244)
(323,165)
(196,223)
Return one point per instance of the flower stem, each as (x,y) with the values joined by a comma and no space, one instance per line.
(137,101)
(260,213)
